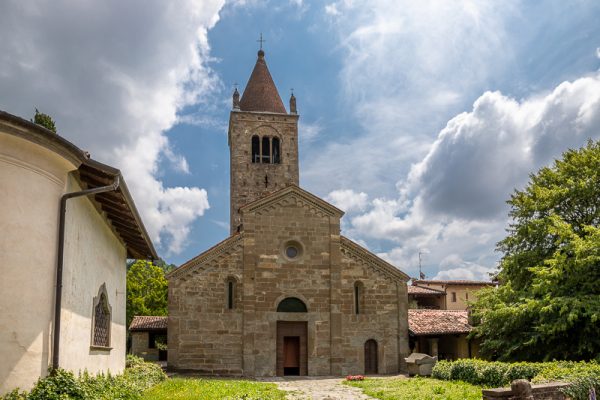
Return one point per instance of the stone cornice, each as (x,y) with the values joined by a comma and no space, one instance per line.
(356,252)
(221,248)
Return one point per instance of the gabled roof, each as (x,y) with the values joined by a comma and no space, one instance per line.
(205,256)
(452,282)
(148,323)
(118,205)
(438,322)
(423,291)
(293,190)
(356,251)
(260,93)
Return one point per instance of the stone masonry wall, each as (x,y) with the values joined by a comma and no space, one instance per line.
(271,277)
(204,335)
(247,181)
(379,317)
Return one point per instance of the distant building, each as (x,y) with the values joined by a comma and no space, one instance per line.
(438,317)
(455,293)
(148,336)
(37,169)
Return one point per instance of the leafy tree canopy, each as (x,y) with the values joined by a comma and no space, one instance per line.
(146,290)
(44,120)
(548,303)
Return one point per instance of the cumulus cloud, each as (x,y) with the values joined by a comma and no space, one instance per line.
(114,75)
(348,200)
(453,201)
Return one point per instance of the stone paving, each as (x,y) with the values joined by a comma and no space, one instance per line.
(317,388)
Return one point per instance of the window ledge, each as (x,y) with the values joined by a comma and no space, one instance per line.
(100,348)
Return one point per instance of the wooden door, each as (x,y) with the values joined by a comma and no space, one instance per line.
(292,355)
(370,357)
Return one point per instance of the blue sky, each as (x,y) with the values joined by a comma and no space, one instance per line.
(417,118)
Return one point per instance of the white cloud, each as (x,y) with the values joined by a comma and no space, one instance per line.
(453,201)
(331,9)
(307,132)
(114,75)
(598,52)
(348,200)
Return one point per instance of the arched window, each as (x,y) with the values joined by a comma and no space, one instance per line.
(291,304)
(255,149)
(230,288)
(266,150)
(276,156)
(101,319)
(358,296)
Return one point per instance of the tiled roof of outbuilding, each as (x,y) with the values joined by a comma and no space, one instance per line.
(412,289)
(146,322)
(260,93)
(438,322)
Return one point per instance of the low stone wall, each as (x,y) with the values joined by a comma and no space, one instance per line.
(519,391)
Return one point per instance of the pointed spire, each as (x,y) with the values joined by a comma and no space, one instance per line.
(260,93)
(293,109)
(236,99)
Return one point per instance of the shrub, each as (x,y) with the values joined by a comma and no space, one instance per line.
(583,375)
(62,385)
(355,378)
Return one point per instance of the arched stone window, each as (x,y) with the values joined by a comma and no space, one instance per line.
(230,292)
(359,297)
(266,150)
(101,319)
(291,304)
(255,149)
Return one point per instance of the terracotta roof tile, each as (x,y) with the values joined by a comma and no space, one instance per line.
(438,322)
(146,322)
(412,289)
(260,93)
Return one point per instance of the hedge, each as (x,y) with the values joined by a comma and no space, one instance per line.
(63,385)
(582,375)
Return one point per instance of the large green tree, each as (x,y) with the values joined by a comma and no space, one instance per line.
(146,290)
(548,303)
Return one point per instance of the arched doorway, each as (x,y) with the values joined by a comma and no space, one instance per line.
(292,339)
(370,357)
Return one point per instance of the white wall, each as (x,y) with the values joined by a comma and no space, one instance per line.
(32,179)
(93,255)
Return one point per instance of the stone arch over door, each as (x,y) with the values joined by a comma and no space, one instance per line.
(371,357)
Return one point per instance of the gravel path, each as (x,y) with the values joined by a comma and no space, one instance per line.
(318,388)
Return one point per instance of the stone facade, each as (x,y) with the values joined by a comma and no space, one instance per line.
(285,293)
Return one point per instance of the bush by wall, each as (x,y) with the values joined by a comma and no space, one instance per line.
(582,375)
(63,385)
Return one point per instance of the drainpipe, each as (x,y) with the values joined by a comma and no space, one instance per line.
(60,259)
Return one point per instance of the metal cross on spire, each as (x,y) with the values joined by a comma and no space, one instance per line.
(261,41)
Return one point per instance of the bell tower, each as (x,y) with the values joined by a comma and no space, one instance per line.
(263,141)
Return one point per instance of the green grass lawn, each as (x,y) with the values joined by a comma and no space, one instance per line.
(417,389)
(208,389)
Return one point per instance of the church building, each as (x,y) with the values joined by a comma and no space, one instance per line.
(285,293)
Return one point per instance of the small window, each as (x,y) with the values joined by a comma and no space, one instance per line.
(255,149)
(358,297)
(466,295)
(291,304)
(291,251)
(230,293)
(266,150)
(101,319)
(276,156)
(454,297)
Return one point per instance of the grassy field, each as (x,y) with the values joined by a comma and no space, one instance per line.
(208,389)
(417,389)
